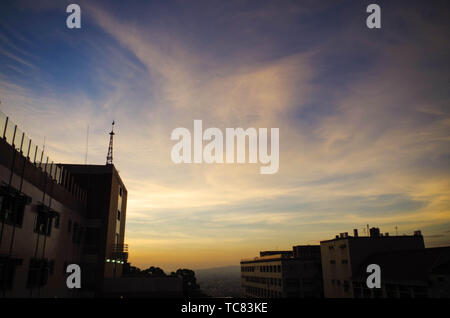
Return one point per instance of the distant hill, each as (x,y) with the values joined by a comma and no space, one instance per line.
(220,281)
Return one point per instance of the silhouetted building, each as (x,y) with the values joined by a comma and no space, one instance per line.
(421,273)
(278,274)
(343,256)
(53,215)
(104,252)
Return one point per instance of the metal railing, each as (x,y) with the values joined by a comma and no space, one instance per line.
(120,248)
(15,137)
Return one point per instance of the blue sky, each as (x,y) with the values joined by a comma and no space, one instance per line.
(363,115)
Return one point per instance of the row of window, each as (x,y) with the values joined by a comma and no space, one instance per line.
(360,290)
(12,207)
(262,292)
(39,271)
(263,280)
(264,269)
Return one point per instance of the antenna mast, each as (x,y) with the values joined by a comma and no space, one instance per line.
(87,146)
(109,157)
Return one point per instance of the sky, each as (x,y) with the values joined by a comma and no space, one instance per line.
(363,115)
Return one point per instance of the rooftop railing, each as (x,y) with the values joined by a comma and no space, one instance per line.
(15,137)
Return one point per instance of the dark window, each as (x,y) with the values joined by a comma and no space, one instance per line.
(7,271)
(118,215)
(44,220)
(344,261)
(12,206)
(57,219)
(38,272)
(332,261)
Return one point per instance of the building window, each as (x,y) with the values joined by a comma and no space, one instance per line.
(332,261)
(12,206)
(44,220)
(118,215)
(7,271)
(57,220)
(344,261)
(38,272)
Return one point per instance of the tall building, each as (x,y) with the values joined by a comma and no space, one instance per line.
(278,274)
(53,215)
(343,256)
(104,252)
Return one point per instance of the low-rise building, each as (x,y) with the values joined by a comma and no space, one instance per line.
(279,274)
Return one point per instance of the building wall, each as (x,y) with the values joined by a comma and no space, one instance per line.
(294,274)
(85,200)
(262,279)
(104,187)
(341,257)
(23,243)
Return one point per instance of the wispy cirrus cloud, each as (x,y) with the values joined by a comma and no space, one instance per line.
(363,120)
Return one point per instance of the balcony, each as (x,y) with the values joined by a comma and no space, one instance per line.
(119,252)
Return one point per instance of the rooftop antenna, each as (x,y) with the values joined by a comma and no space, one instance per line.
(109,157)
(87,146)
